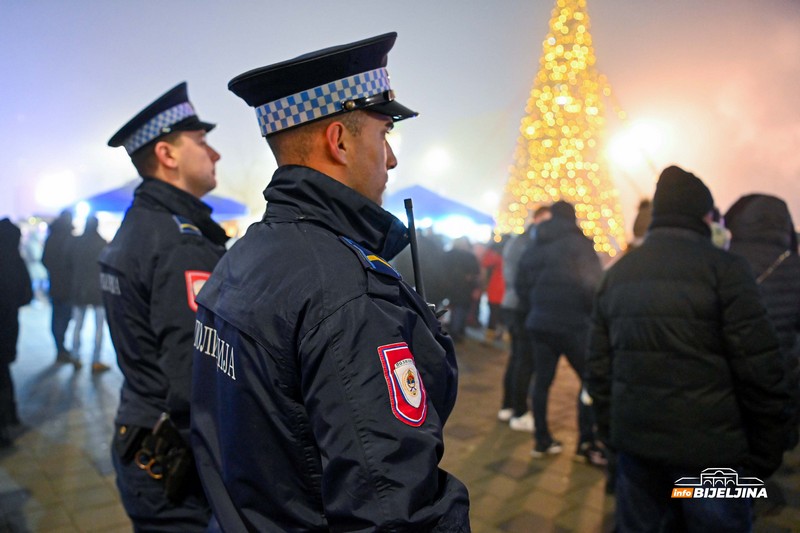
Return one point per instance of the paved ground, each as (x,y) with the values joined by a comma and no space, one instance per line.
(58,475)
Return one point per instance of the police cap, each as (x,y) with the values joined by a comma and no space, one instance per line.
(171,112)
(320,84)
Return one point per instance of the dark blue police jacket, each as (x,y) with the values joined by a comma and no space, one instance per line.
(322,381)
(164,249)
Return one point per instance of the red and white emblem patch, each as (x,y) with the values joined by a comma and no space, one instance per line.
(406,391)
(195,279)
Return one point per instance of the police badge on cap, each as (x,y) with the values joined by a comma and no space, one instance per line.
(172,111)
(320,84)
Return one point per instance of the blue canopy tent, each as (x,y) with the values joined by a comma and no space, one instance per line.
(118,200)
(428,204)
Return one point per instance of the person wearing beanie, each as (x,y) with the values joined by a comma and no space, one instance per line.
(556,280)
(684,369)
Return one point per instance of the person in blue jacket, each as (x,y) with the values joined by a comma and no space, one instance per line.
(164,250)
(321,380)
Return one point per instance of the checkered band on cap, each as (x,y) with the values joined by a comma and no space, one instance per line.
(155,126)
(320,101)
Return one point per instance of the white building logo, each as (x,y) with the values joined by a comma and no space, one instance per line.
(719,482)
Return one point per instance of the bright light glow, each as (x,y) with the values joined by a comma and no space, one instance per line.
(456,226)
(55,190)
(82,210)
(634,146)
(426,222)
(437,160)
(489,200)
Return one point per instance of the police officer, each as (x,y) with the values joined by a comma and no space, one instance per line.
(164,250)
(322,381)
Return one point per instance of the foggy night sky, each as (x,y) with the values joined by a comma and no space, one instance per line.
(720,77)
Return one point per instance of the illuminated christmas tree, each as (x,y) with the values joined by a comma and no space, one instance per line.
(560,151)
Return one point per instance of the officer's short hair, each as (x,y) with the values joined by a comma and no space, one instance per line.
(145,162)
(295,143)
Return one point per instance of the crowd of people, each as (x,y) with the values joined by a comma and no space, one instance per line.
(73,275)
(298,381)
(686,346)
(72,285)
(697,321)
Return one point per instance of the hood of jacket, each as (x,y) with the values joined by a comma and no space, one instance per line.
(761,218)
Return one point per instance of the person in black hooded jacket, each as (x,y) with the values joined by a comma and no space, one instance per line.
(555,282)
(15,286)
(684,369)
(86,290)
(56,258)
(763,233)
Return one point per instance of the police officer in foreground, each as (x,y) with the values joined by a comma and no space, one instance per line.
(163,252)
(322,381)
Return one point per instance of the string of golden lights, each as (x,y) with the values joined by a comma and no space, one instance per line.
(560,150)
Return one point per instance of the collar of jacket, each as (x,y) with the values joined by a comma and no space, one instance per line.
(300,193)
(674,231)
(678,221)
(155,192)
(556,228)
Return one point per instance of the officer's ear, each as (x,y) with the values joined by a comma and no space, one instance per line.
(166,154)
(337,142)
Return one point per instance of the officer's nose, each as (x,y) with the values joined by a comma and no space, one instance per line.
(214,154)
(391,160)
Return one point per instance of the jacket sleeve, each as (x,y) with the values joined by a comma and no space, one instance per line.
(526,277)
(172,320)
(753,351)
(380,470)
(598,369)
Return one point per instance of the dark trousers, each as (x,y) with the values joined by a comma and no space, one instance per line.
(517,379)
(645,504)
(8,406)
(148,507)
(495,317)
(547,349)
(62,313)
(458,321)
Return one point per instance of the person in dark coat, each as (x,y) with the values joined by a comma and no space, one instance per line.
(556,280)
(151,272)
(464,276)
(684,369)
(86,291)
(57,259)
(16,290)
(763,233)
(431,264)
(520,367)
(322,381)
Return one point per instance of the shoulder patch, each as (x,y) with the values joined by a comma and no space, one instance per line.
(406,392)
(371,261)
(185,226)
(195,279)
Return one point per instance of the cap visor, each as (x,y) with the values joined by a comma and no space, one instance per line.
(394,109)
(208,126)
